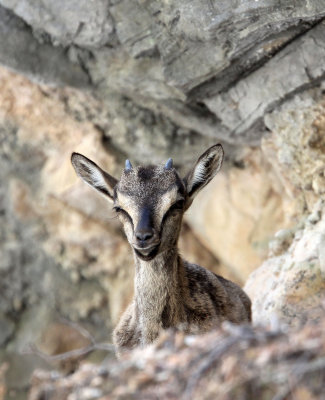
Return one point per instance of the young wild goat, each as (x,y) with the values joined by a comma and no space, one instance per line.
(169,292)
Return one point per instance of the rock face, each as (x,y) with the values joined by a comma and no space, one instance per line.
(149,80)
(292,281)
(235,362)
(273,187)
(20,51)
(186,75)
(293,277)
(80,22)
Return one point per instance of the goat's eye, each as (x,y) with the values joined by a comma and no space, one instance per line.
(122,212)
(179,205)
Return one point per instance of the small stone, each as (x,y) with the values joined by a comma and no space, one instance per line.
(88,393)
(282,240)
(314,217)
(318,183)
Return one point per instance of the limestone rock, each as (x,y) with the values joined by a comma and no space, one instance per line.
(80,22)
(193,250)
(291,287)
(190,74)
(242,208)
(6,329)
(242,107)
(296,151)
(20,51)
(293,277)
(51,198)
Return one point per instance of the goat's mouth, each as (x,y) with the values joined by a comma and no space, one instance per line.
(147,253)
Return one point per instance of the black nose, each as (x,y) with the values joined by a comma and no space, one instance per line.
(144,229)
(144,234)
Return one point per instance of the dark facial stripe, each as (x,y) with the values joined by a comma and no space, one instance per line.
(145,220)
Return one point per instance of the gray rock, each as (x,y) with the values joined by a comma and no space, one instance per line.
(28,275)
(201,40)
(293,282)
(188,64)
(20,51)
(135,32)
(86,24)
(295,68)
(19,374)
(6,328)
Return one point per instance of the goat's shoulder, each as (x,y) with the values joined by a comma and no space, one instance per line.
(228,299)
(202,279)
(204,288)
(237,294)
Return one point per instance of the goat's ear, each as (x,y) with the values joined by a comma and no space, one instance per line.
(94,175)
(204,170)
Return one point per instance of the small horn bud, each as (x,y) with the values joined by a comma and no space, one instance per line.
(128,165)
(169,164)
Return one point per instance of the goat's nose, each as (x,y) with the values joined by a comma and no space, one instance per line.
(144,234)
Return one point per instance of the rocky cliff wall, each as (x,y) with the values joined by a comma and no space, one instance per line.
(150,80)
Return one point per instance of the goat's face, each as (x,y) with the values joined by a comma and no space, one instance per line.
(150,201)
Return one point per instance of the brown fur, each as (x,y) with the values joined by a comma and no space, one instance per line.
(169,292)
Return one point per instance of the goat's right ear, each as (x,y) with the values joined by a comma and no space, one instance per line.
(92,174)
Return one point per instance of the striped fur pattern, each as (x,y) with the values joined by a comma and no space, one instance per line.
(169,292)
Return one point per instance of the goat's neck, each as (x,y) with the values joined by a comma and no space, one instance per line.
(159,276)
(158,287)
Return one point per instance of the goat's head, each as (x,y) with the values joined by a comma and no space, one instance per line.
(150,201)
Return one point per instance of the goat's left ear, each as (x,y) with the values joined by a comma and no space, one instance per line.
(203,171)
